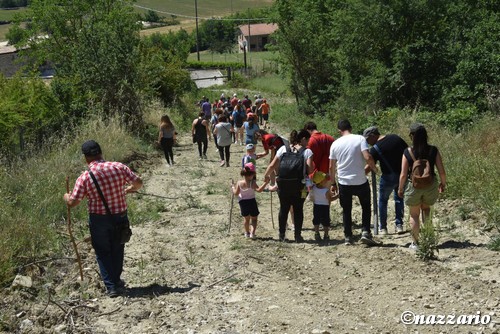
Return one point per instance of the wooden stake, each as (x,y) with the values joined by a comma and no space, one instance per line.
(70,231)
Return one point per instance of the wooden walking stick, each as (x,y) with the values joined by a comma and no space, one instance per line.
(70,231)
(375,206)
(231,209)
(272,216)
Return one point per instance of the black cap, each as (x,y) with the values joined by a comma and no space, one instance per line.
(372,130)
(91,148)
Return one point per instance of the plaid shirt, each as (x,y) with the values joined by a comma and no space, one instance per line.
(112,177)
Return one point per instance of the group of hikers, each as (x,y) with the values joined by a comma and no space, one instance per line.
(315,165)
(228,121)
(307,164)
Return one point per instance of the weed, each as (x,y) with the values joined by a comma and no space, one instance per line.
(191,256)
(428,239)
(494,244)
(473,270)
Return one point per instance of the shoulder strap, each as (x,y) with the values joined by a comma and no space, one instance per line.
(379,151)
(100,192)
(411,154)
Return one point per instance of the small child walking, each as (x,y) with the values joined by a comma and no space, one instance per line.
(250,156)
(322,197)
(245,190)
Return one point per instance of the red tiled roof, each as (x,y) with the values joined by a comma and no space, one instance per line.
(258,29)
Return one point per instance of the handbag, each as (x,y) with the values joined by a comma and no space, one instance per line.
(123,228)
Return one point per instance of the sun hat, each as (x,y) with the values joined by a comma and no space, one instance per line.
(319,176)
(91,148)
(250,167)
(372,130)
(250,146)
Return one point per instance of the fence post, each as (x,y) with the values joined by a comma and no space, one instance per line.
(229,73)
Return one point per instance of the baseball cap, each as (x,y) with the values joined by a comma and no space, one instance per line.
(319,176)
(372,130)
(249,167)
(416,126)
(250,147)
(91,148)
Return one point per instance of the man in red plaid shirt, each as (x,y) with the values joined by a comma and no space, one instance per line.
(112,178)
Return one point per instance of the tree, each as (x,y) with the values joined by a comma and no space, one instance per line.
(93,47)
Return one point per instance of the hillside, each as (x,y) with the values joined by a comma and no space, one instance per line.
(191,271)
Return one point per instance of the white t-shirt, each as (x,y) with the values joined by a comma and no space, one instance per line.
(348,151)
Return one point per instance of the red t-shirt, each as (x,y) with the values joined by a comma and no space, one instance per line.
(271,141)
(319,144)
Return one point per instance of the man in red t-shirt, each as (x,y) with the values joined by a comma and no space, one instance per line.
(319,144)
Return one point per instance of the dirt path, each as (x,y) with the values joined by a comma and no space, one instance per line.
(187,274)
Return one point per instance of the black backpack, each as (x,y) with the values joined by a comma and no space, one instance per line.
(291,174)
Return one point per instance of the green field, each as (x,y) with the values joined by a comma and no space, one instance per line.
(206,8)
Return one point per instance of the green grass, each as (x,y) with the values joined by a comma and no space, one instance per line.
(206,8)
(8,15)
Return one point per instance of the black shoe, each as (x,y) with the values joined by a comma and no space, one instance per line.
(115,292)
(282,237)
(317,236)
(120,284)
(299,239)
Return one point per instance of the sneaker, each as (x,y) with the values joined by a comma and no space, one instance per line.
(281,237)
(349,241)
(317,237)
(252,236)
(400,229)
(382,231)
(227,164)
(326,237)
(120,284)
(366,238)
(115,292)
(205,156)
(200,158)
(222,163)
(247,235)
(299,239)
(413,246)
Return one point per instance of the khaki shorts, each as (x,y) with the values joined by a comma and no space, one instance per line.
(428,196)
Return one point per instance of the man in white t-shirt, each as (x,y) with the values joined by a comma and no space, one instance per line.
(348,156)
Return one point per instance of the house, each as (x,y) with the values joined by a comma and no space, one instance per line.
(255,36)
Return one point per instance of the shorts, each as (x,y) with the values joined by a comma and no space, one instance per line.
(428,196)
(265,117)
(321,214)
(248,207)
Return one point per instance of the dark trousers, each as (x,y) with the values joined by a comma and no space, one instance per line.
(363,193)
(108,249)
(202,142)
(224,150)
(167,144)
(294,200)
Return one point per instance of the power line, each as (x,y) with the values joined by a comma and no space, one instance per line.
(199,17)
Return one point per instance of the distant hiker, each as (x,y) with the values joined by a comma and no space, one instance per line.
(347,158)
(106,241)
(321,197)
(319,144)
(247,103)
(250,127)
(234,101)
(245,190)
(421,198)
(206,107)
(264,110)
(388,149)
(213,122)
(292,164)
(166,139)
(201,134)
(256,108)
(238,117)
(223,131)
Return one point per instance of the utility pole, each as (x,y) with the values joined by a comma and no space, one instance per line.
(197,35)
